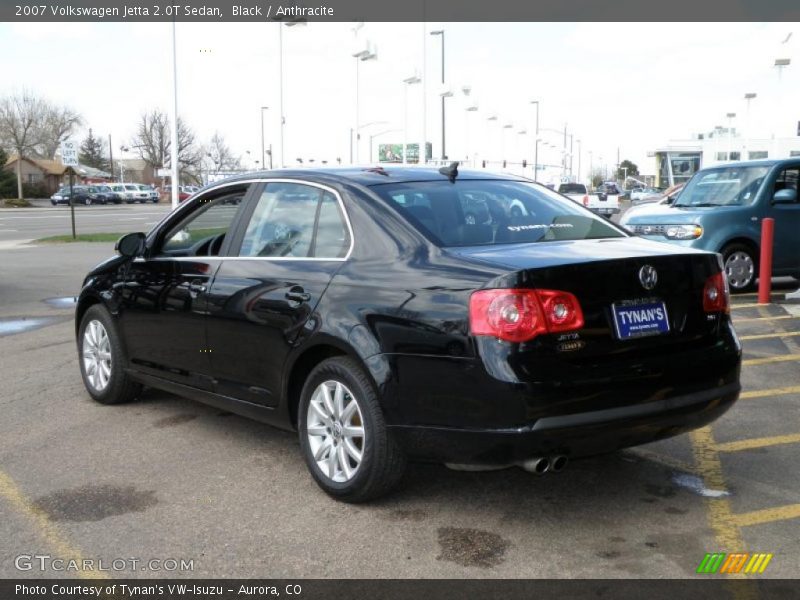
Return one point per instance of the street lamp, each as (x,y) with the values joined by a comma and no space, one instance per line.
(471,108)
(441,33)
(263,151)
(536,145)
(503,139)
(407,82)
(748,98)
(363,55)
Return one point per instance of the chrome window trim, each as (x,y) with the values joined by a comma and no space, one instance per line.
(322,186)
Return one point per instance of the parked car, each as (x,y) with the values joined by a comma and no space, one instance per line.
(103,194)
(644,195)
(152,193)
(80,193)
(599,203)
(361,309)
(120,190)
(721,210)
(136,192)
(183,193)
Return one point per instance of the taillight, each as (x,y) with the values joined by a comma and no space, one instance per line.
(716,296)
(586,201)
(517,315)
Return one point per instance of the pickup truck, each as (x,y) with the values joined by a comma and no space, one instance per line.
(601,204)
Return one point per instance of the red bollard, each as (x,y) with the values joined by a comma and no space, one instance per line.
(765,266)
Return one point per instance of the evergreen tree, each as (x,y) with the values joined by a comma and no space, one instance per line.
(91,153)
(8,181)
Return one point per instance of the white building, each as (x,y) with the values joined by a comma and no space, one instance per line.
(677,161)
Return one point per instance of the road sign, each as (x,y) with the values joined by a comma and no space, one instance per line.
(164,172)
(69,153)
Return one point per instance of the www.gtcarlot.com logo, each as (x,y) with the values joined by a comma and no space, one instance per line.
(737,562)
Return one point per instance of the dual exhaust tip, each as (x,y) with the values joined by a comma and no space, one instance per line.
(538,465)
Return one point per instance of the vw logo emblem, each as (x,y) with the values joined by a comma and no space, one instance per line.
(648,277)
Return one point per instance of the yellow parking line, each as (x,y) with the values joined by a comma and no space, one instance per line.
(763,442)
(720,513)
(768,515)
(795,389)
(751,305)
(63,549)
(748,319)
(765,336)
(751,362)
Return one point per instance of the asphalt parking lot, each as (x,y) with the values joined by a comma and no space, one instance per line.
(166,478)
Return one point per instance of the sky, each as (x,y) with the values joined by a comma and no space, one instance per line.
(624,88)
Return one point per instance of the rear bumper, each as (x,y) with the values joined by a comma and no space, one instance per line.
(573,435)
(605,211)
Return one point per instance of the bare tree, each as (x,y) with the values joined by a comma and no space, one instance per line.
(20,118)
(221,155)
(153,143)
(31,126)
(59,123)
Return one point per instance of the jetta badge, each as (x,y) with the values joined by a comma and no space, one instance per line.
(648,277)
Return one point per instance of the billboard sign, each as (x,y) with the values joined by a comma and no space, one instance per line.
(393,153)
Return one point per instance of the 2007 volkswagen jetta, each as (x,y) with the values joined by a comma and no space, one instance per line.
(361,308)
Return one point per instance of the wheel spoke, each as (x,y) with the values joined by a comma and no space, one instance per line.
(352,450)
(320,453)
(319,409)
(317,430)
(344,462)
(338,401)
(353,431)
(349,410)
(332,460)
(326,397)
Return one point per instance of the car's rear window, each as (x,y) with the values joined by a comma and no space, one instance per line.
(488,212)
(572,188)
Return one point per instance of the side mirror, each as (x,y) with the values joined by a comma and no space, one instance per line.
(130,245)
(670,199)
(785,196)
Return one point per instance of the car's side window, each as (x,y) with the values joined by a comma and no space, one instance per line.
(202,232)
(295,220)
(788,179)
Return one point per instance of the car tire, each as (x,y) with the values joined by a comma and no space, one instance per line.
(741,267)
(53,202)
(105,379)
(87,201)
(381,464)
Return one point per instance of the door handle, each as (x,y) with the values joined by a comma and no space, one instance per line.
(196,287)
(297,294)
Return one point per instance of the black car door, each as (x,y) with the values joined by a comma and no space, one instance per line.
(165,294)
(292,239)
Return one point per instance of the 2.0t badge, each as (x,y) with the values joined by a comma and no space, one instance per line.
(648,277)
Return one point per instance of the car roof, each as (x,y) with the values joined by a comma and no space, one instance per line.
(762,162)
(369,175)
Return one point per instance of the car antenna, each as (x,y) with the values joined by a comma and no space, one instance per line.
(451,171)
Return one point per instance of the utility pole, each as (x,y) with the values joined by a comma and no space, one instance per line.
(111,156)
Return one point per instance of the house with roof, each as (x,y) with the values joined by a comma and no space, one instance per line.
(52,174)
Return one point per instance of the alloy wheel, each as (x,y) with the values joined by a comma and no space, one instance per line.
(335,430)
(97,355)
(740,269)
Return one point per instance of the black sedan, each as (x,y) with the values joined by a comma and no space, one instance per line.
(363,309)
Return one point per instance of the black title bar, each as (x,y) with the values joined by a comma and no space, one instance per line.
(400,10)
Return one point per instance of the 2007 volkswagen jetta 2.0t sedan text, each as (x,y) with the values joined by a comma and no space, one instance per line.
(360,308)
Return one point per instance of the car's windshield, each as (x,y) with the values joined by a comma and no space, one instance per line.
(486,212)
(726,186)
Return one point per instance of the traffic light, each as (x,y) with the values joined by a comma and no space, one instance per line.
(484,164)
(504,164)
(524,163)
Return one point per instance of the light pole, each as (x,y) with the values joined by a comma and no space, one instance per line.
(489,120)
(503,139)
(263,150)
(362,55)
(748,98)
(780,65)
(536,143)
(174,145)
(579,159)
(730,116)
(406,83)
(470,156)
(441,33)
(280,85)
(444,94)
